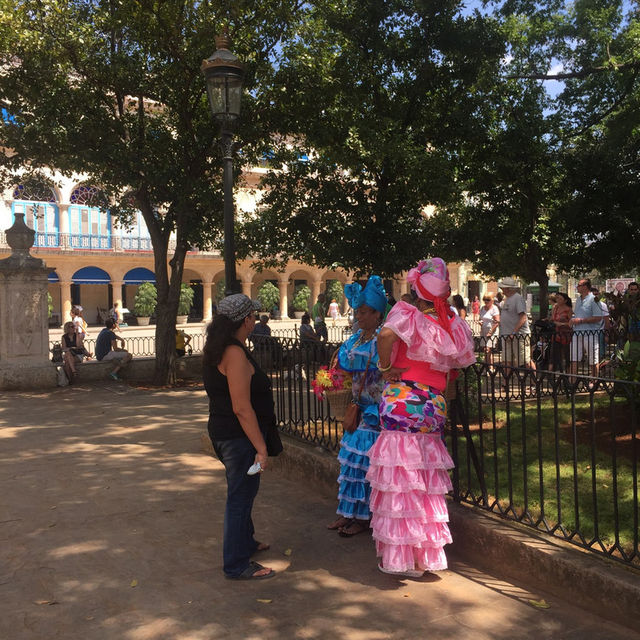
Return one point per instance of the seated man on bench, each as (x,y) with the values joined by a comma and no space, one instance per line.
(107,348)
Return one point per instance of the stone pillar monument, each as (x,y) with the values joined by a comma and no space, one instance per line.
(24,336)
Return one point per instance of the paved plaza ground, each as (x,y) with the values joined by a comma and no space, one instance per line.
(111,524)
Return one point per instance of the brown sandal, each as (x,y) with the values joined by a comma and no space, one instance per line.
(356,527)
(340,523)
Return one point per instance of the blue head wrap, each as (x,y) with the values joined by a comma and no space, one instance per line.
(373,294)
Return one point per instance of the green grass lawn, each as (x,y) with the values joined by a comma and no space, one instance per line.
(544,453)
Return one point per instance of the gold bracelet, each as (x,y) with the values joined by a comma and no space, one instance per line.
(383,369)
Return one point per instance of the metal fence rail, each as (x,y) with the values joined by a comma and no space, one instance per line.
(551,450)
(565,463)
(556,452)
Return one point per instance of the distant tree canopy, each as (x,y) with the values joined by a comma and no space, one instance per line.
(390,107)
(113,89)
(372,95)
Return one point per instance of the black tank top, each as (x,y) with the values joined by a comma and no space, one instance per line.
(223,423)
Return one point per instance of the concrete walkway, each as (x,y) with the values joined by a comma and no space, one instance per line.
(111,525)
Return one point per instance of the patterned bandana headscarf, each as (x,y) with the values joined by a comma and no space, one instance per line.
(430,279)
(373,294)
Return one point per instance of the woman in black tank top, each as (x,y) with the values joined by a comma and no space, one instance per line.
(240,409)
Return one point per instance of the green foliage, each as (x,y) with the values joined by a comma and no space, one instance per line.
(269,296)
(369,92)
(186,300)
(49,305)
(221,287)
(335,290)
(144,302)
(519,463)
(301,298)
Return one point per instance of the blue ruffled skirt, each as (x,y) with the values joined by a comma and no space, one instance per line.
(354,491)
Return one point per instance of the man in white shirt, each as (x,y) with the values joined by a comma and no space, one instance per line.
(514,326)
(587,315)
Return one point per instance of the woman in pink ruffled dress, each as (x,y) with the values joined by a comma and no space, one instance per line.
(418,346)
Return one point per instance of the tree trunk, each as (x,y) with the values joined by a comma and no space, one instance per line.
(543,281)
(168,289)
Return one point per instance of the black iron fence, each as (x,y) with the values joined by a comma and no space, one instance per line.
(555,451)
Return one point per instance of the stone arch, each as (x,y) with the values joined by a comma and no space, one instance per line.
(89,220)
(36,198)
(296,278)
(260,277)
(90,289)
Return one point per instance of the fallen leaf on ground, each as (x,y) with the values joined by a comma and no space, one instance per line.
(265,600)
(540,604)
(134,583)
(46,602)
(288,552)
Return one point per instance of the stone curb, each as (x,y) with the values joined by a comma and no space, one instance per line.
(499,546)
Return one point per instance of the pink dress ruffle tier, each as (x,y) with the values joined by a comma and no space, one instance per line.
(409,481)
(428,342)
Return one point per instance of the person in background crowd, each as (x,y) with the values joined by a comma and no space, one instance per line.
(79,324)
(334,311)
(631,317)
(307,334)
(359,356)
(71,352)
(489,315)
(107,348)
(240,411)
(475,310)
(514,327)
(418,346)
(318,312)
(115,313)
(262,328)
(459,306)
(183,341)
(560,316)
(587,315)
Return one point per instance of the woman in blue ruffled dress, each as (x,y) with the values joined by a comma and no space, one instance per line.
(359,356)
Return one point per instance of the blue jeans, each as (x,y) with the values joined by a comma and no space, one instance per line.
(237,455)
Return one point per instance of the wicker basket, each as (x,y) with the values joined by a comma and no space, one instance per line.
(338,400)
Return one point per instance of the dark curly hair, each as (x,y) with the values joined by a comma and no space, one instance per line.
(219,336)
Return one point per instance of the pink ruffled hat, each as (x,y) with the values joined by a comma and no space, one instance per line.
(430,279)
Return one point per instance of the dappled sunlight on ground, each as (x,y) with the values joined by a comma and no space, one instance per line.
(111,527)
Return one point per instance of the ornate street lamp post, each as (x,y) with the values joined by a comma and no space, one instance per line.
(224,74)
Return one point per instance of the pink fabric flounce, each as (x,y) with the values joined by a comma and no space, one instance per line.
(394,479)
(409,479)
(410,504)
(410,451)
(428,342)
(405,558)
(394,532)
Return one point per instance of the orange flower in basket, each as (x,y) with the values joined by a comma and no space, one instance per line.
(330,380)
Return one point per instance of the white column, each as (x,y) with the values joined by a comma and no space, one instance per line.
(63,213)
(116,286)
(315,291)
(246,287)
(207,298)
(65,301)
(284,302)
